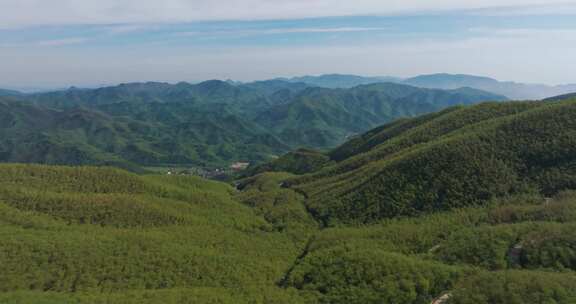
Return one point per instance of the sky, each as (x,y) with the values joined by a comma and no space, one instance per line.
(62,43)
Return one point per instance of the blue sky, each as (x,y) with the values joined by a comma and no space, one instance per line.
(112,41)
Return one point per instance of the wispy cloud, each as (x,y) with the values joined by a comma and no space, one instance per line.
(47,43)
(61,42)
(22,13)
(533,34)
(279,31)
(558,9)
(128,28)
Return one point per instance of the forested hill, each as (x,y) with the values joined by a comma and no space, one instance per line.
(130,135)
(561,97)
(462,156)
(213,123)
(323,118)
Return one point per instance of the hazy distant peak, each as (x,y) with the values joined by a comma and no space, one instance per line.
(4,92)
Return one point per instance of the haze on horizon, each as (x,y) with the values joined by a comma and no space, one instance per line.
(49,44)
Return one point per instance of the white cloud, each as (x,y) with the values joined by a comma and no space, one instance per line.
(47,43)
(19,13)
(61,42)
(565,8)
(128,28)
(276,31)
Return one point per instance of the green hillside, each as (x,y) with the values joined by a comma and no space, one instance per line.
(100,235)
(130,135)
(459,157)
(322,118)
(297,162)
(91,233)
(243,98)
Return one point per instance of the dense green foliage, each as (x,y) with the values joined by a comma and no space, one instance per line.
(90,231)
(156,134)
(415,260)
(516,287)
(456,158)
(470,205)
(100,235)
(297,162)
(211,124)
(283,208)
(323,118)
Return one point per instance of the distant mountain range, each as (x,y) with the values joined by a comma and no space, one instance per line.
(342,81)
(9,93)
(512,90)
(561,97)
(444,81)
(208,124)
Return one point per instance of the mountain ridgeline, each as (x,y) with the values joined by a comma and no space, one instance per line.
(512,90)
(212,123)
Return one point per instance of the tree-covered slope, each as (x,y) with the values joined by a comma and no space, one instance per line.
(101,235)
(245,99)
(323,118)
(105,235)
(130,133)
(296,162)
(518,250)
(459,157)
